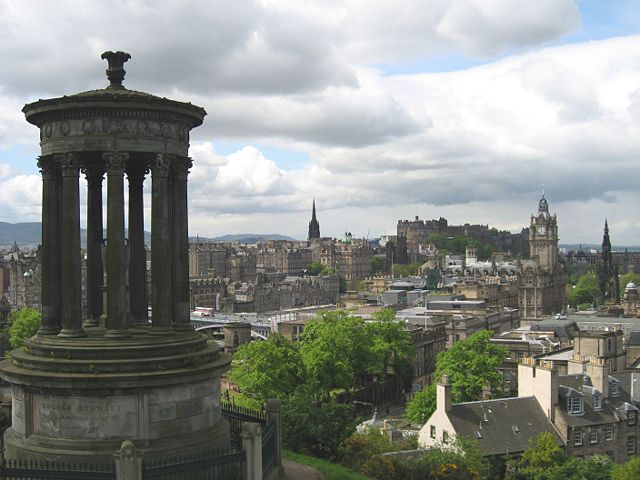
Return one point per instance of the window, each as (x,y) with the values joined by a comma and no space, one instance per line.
(631,444)
(574,405)
(433,431)
(631,417)
(597,401)
(614,389)
(608,433)
(593,435)
(577,436)
(445,436)
(610,455)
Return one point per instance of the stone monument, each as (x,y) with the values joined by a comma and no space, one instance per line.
(81,387)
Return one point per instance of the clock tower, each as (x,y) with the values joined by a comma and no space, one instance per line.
(542,277)
(543,237)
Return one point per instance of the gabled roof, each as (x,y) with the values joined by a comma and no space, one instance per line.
(501,426)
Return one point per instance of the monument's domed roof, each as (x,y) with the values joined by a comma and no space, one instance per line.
(630,286)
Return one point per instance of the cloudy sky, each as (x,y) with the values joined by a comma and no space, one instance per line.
(379,110)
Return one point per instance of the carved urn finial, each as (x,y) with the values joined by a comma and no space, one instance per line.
(116,71)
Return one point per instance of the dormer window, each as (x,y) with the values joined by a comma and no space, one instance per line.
(597,401)
(614,387)
(575,405)
(631,417)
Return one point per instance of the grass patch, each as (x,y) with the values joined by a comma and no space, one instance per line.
(330,471)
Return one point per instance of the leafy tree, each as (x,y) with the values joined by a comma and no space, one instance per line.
(377,265)
(335,349)
(23,324)
(391,346)
(542,454)
(269,369)
(408,270)
(470,364)
(422,404)
(314,268)
(545,460)
(586,290)
(316,427)
(627,471)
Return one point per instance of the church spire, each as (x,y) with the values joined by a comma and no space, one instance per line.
(314,226)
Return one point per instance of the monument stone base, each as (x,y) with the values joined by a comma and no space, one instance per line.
(78,400)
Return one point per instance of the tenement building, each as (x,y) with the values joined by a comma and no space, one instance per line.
(542,278)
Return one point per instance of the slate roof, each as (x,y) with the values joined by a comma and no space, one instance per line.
(503,425)
(590,416)
(634,338)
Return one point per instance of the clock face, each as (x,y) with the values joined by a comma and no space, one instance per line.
(542,229)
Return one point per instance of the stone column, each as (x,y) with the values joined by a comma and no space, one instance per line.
(94,173)
(70,248)
(138,302)
(116,322)
(160,246)
(50,295)
(180,244)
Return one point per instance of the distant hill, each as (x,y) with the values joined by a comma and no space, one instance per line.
(28,234)
(247,238)
(596,246)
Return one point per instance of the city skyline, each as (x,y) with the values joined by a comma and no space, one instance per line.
(460,109)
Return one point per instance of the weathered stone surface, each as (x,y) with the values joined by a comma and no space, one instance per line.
(85,417)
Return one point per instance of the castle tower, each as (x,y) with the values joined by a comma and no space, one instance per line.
(82,386)
(314,226)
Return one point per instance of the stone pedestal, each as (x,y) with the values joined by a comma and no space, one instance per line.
(80,399)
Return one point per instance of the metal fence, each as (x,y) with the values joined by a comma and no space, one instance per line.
(269,448)
(236,416)
(33,470)
(220,465)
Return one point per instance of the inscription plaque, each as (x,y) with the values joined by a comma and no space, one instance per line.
(85,417)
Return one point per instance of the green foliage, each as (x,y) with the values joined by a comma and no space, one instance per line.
(545,460)
(470,364)
(316,268)
(462,462)
(360,447)
(422,405)
(335,351)
(458,245)
(316,427)
(377,265)
(627,471)
(23,324)
(269,369)
(586,290)
(409,270)
(543,453)
(391,346)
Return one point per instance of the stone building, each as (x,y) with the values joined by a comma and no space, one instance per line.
(589,411)
(542,278)
(608,271)
(349,257)
(314,226)
(631,300)
(282,256)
